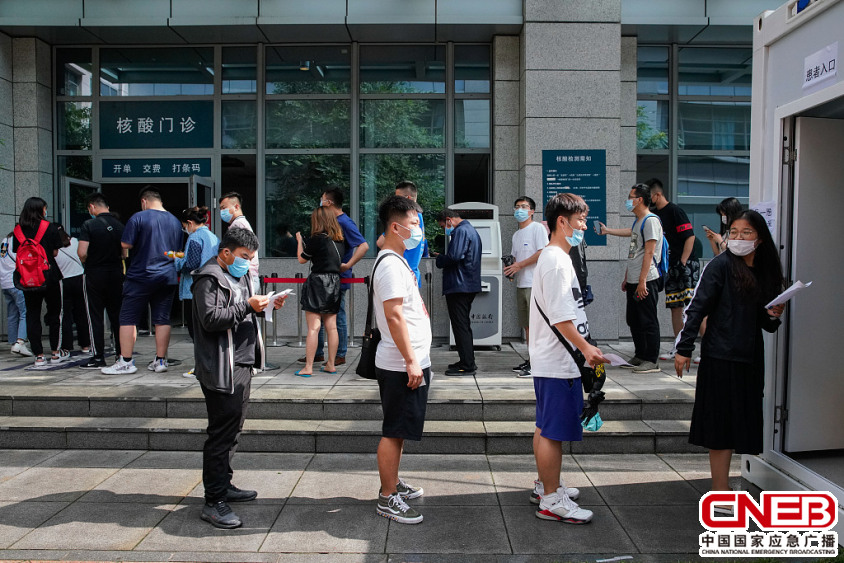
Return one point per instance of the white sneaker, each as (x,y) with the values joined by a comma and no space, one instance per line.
(697,360)
(189,373)
(157,365)
(120,367)
(20,348)
(559,507)
(668,355)
(63,356)
(539,490)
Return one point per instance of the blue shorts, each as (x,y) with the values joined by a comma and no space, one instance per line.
(559,403)
(136,297)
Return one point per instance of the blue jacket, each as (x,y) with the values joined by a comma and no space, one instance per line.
(461,264)
(200,247)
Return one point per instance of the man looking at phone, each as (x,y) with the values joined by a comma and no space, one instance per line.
(683,265)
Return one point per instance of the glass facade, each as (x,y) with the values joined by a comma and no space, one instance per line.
(693,126)
(289,122)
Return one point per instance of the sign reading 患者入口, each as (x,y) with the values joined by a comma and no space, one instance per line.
(155,167)
(583,173)
(820,67)
(156,125)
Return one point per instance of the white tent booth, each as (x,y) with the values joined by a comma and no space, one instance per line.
(797,169)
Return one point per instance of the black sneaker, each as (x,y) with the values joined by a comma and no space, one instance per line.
(522,366)
(233,494)
(94,363)
(460,370)
(220,515)
(455,365)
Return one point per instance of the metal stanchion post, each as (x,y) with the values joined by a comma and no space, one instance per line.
(300,343)
(267,364)
(351,316)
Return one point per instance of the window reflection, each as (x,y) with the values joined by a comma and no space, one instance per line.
(397,69)
(239,124)
(652,70)
(174,71)
(402,123)
(715,72)
(309,70)
(239,69)
(714,125)
(471,123)
(73,72)
(471,69)
(308,124)
(74,126)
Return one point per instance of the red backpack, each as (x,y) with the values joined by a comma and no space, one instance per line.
(31,261)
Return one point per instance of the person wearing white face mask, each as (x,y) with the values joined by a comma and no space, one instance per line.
(733,290)
(231,212)
(528,242)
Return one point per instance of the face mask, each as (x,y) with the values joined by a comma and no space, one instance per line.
(92,216)
(741,247)
(321,203)
(239,267)
(723,219)
(521,215)
(225,214)
(576,237)
(629,204)
(415,237)
(449,230)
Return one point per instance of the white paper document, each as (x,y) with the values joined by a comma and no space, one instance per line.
(795,288)
(268,310)
(616,360)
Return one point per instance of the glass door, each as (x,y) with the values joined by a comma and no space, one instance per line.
(74,210)
(202,193)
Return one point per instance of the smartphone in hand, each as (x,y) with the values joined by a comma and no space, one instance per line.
(597,226)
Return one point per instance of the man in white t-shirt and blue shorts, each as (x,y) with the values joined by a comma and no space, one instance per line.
(402,361)
(556,376)
(528,242)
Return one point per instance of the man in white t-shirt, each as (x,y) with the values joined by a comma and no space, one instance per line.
(556,300)
(402,361)
(528,242)
(231,212)
(642,280)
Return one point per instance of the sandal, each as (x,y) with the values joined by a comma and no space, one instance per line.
(297,372)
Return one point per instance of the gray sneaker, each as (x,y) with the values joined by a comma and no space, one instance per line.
(646,367)
(634,362)
(407,491)
(394,508)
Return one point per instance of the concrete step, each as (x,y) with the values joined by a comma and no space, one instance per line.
(330,436)
(316,403)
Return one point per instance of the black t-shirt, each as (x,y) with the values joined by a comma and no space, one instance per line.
(103,234)
(677,228)
(51,242)
(324,254)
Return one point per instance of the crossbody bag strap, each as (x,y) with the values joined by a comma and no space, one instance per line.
(369,307)
(555,331)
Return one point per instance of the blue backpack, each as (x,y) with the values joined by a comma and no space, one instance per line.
(662,263)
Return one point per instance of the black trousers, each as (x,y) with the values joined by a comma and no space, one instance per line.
(459,308)
(52,296)
(103,291)
(226,414)
(74,311)
(643,322)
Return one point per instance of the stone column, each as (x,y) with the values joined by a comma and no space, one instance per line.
(571,99)
(7,149)
(33,123)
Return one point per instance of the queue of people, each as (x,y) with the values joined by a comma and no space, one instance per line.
(217,280)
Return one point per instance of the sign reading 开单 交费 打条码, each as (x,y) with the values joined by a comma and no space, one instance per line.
(583,173)
(132,168)
(157,125)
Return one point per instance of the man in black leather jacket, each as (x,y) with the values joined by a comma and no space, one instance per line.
(227,348)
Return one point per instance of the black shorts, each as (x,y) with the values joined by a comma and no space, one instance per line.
(136,297)
(680,283)
(404,408)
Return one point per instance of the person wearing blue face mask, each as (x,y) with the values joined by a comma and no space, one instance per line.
(461,265)
(227,351)
(642,279)
(528,242)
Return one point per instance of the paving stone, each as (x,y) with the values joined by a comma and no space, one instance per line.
(529,534)
(169,460)
(53,484)
(92,458)
(30,439)
(328,529)
(675,529)
(273,487)
(139,408)
(96,526)
(463,480)
(447,530)
(159,486)
(20,517)
(108,440)
(514,475)
(184,530)
(57,407)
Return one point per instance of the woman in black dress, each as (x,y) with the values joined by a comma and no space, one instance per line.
(321,291)
(733,290)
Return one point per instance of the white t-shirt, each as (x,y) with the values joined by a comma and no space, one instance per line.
(243,223)
(68,260)
(394,279)
(652,231)
(526,243)
(7,264)
(556,290)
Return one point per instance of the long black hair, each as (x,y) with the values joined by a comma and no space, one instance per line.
(767,282)
(32,213)
(731,208)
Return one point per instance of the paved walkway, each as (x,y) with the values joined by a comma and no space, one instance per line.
(145,506)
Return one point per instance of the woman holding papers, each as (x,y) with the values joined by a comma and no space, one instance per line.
(321,292)
(733,290)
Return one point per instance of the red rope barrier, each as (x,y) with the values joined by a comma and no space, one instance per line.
(302,280)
